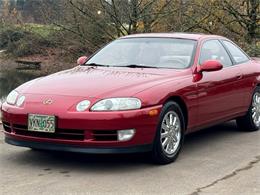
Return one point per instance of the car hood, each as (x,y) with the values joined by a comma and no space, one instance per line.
(99,82)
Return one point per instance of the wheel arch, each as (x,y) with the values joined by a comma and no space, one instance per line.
(182,105)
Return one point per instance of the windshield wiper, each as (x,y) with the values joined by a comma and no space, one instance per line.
(94,64)
(128,66)
(137,66)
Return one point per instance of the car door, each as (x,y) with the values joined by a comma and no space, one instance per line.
(219,95)
(241,60)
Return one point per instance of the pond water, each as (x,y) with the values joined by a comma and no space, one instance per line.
(9,80)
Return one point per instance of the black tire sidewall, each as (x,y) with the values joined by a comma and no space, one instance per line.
(158,151)
(249,114)
(246,123)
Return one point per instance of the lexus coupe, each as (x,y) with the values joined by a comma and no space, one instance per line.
(140,93)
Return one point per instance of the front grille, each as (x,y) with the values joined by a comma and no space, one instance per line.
(7,127)
(108,135)
(66,134)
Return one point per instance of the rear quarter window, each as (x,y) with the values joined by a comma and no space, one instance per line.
(238,55)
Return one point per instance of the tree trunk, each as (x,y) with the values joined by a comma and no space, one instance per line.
(252,25)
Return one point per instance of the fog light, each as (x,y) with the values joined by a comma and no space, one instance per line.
(125,135)
(20,101)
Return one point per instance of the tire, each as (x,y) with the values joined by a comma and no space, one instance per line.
(249,122)
(38,150)
(169,135)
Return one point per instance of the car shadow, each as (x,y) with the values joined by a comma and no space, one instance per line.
(64,161)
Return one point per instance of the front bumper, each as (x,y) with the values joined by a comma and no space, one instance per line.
(82,130)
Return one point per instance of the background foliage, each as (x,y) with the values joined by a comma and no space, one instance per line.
(82,26)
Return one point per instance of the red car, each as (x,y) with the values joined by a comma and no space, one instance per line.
(140,93)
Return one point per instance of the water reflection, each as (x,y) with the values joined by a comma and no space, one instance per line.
(9,80)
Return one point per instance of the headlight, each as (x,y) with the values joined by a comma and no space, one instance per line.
(12,97)
(82,106)
(117,104)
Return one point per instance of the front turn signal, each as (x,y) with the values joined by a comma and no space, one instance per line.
(153,112)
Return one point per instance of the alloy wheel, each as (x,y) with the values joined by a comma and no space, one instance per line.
(256,109)
(170,132)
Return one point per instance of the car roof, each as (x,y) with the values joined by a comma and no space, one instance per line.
(191,36)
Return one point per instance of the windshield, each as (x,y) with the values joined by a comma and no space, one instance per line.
(146,52)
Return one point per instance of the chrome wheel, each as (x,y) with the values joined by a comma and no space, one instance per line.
(256,109)
(170,132)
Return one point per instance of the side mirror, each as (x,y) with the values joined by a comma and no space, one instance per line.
(209,66)
(82,60)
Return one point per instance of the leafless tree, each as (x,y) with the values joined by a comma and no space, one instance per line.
(246,14)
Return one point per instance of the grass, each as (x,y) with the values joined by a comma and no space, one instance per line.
(42,30)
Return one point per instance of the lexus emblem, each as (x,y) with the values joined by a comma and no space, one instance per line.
(47,102)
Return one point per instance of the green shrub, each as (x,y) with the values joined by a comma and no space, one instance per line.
(253,50)
(19,41)
(10,35)
(22,47)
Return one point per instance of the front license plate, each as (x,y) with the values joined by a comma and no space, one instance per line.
(41,123)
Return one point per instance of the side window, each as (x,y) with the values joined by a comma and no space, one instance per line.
(214,50)
(236,52)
